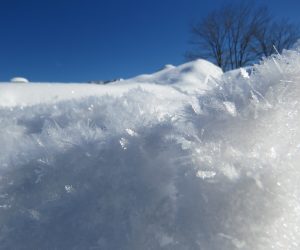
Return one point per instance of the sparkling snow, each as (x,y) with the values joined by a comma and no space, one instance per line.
(187,158)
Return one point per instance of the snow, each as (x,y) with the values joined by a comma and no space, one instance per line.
(186,158)
(13,95)
(19,80)
(185,77)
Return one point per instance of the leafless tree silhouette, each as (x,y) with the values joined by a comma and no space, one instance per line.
(275,37)
(239,34)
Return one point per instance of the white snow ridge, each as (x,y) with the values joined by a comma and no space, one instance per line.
(152,163)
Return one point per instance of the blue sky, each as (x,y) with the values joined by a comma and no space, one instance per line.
(77,40)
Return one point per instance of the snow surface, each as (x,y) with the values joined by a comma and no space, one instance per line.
(19,80)
(185,77)
(154,163)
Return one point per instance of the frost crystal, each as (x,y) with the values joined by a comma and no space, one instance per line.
(186,158)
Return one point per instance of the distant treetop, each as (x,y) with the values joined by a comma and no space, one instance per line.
(238,35)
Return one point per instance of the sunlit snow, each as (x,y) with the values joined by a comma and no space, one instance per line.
(186,158)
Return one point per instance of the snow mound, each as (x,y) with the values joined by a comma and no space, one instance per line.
(19,80)
(198,74)
(156,168)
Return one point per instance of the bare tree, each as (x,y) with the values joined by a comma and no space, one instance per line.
(239,34)
(275,37)
(243,22)
(210,35)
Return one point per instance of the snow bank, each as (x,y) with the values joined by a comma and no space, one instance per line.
(19,80)
(24,95)
(199,75)
(154,167)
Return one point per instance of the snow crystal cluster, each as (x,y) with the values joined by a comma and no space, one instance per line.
(145,165)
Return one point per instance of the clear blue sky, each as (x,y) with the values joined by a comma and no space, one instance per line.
(81,40)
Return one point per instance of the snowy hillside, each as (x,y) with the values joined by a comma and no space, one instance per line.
(187,158)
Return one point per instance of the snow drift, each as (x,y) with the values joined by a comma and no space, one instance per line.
(199,75)
(154,167)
